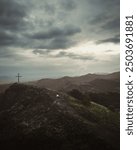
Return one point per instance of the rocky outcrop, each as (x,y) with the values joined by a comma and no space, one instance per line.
(38,118)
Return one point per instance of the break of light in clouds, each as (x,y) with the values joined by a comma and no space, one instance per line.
(53,38)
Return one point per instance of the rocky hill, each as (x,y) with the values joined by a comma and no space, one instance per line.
(3,87)
(102,89)
(39,118)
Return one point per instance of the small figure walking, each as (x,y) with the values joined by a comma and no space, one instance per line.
(18,76)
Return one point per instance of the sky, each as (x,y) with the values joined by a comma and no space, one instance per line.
(55,38)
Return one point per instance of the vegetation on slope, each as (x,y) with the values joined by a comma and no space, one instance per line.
(37,118)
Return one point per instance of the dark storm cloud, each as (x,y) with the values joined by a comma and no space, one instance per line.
(45,25)
(11,14)
(51,9)
(55,38)
(6,38)
(68,4)
(106,3)
(107,21)
(56,33)
(10,39)
(98,19)
(112,25)
(56,43)
(115,40)
(11,23)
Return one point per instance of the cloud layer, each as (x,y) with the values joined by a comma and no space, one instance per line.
(31,27)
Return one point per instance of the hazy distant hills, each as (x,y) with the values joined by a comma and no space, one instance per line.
(90,82)
(40,118)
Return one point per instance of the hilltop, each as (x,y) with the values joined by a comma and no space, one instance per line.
(40,118)
(102,89)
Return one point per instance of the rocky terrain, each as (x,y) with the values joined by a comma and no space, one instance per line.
(33,117)
(102,89)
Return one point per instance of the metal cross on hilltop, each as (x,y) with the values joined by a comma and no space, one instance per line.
(18,76)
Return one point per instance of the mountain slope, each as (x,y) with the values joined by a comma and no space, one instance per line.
(3,87)
(89,82)
(37,118)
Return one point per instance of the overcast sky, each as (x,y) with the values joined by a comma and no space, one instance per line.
(53,38)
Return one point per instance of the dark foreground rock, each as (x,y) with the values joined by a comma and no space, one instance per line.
(41,119)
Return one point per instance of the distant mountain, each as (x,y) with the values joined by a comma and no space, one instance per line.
(39,119)
(89,82)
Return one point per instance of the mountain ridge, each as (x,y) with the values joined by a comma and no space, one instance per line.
(67,82)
